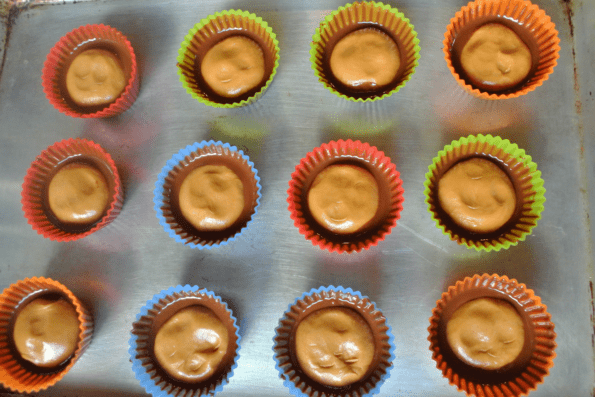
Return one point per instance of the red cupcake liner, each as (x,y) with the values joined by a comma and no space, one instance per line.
(60,56)
(39,174)
(14,373)
(360,154)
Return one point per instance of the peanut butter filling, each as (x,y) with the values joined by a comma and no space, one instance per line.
(46,332)
(233,66)
(366,59)
(191,345)
(343,198)
(486,333)
(334,346)
(211,197)
(477,195)
(78,193)
(495,58)
(95,77)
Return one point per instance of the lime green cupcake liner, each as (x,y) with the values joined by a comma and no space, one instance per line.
(355,16)
(522,172)
(210,31)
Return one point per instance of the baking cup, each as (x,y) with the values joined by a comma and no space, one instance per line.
(178,167)
(286,362)
(72,44)
(530,367)
(523,174)
(354,153)
(357,16)
(16,373)
(210,31)
(527,20)
(154,314)
(41,172)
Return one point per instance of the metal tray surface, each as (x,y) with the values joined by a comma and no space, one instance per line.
(119,268)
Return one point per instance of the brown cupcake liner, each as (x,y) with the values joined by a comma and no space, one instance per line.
(16,373)
(152,316)
(527,20)
(355,16)
(42,170)
(355,153)
(298,382)
(72,44)
(529,368)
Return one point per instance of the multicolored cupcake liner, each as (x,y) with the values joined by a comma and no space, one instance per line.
(15,373)
(212,30)
(40,173)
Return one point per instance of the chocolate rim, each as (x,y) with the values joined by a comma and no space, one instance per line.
(210,31)
(20,374)
(524,373)
(527,20)
(523,174)
(324,297)
(153,315)
(179,166)
(84,38)
(356,16)
(390,195)
(42,170)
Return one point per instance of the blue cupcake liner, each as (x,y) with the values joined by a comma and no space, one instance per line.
(144,368)
(353,299)
(159,195)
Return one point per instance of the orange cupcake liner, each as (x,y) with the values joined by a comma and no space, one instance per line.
(13,374)
(528,17)
(44,167)
(80,39)
(356,153)
(533,364)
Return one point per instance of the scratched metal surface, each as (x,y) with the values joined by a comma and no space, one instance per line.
(119,268)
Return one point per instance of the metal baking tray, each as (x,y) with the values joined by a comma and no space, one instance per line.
(119,268)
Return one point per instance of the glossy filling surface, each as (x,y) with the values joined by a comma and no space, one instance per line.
(46,332)
(486,333)
(334,346)
(191,345)
(477,195)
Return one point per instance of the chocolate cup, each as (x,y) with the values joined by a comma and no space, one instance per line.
(333,297)
(527,369)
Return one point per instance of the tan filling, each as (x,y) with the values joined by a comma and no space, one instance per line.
(95,77)
(495,57)
(78,193)
(343,198)
(365,59)
(477,195)
(191,345)
(486,333)
(233,66)
(211,197)
(46,332)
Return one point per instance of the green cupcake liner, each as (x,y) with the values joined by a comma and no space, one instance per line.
(355,16)
(521,170)
(210,31)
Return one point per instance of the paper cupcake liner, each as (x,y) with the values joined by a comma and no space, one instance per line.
(353,17)
(16,373)
(529,18)
(40,173)
(522,172)
(356,153)
(81,39)
(298,383)
(162,306)
(210,31)
(532,365)
(186,160)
